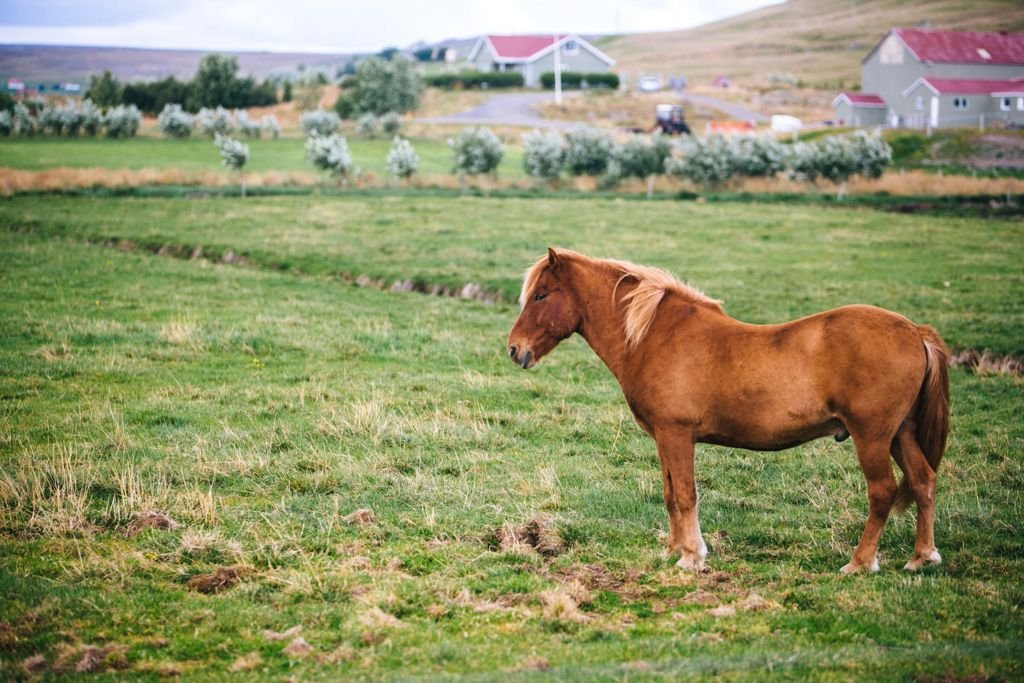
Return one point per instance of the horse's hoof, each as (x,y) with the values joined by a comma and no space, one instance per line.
(853,567)
(693,561)
(919,561)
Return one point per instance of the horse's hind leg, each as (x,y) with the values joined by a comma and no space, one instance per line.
(873,455)
(921,479)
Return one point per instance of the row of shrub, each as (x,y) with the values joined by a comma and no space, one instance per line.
(175,122)
(72,119)
(475,80)
(321,122)
(329,153)
(578,80)
(709,162)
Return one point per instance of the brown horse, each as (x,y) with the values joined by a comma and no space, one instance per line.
(691,374)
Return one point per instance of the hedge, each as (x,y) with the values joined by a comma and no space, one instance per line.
(468,80)
(579,79)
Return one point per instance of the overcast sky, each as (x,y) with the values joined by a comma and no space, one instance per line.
(338,26)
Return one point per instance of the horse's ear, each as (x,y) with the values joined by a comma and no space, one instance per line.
(552,257)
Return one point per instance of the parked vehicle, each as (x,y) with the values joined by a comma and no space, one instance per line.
(648,84)
(670,120)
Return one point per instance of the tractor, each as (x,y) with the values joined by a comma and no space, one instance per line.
(669,119)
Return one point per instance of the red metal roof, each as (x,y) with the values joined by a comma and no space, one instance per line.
(520,47)
(964,47)
(863,98)
(967,86)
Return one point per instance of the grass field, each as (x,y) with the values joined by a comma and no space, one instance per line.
(199,154)
(260,404)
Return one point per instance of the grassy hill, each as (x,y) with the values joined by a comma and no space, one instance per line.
(818,42)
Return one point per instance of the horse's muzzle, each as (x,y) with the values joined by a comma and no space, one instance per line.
(524,362)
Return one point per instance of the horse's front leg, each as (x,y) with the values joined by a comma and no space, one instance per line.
(675,450)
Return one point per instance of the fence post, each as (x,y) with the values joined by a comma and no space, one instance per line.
(981,122)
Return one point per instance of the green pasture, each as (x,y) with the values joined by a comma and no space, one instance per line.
(260,403)
(198,153)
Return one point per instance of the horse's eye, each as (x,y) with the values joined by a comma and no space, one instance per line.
(539,297)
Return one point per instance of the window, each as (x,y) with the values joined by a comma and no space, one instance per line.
(571,47)
(919,103)
(959,103)
(1004,104)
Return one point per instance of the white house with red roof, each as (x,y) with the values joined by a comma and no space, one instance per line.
(923,78)
(533,55)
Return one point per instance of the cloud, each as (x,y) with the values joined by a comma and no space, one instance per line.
(346,26)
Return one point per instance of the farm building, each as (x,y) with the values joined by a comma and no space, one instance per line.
(533,55)
(939,79)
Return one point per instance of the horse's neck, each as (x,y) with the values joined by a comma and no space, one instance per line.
(603,324)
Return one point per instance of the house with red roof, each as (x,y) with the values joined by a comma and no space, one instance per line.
(922,78)
(533,55)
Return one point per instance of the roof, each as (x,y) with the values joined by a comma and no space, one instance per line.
(527,48)
(961,47)
(859,99)
(968,86)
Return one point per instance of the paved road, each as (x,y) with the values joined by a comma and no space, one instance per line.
(516,109)
(508,109)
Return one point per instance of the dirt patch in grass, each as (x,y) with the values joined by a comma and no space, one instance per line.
(361,517)
(150,519)
(90,658)
(219,580)
(986,363)
(536,535)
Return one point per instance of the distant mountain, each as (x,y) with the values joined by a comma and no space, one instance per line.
(817,42)
(55,63)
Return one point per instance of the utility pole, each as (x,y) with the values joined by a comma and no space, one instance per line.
(558,73)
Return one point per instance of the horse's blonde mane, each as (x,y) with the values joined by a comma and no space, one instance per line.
(641,303)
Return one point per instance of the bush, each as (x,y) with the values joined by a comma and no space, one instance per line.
(587,151)
(246,125)
(271,125)
(642,156)
(390,123)
(24,122)
(477,150)
(542,154)
(572,80)
(709,161)
(233,153)
(470,80)
(367,125)
(122,121)
(49,120)
(152,98)
(175,122)
(320,122)
(6,122)
(839,157)
(215,122)
(760,156)
(71,119)
(330,153)
(402,159)
(874,153)
(92,118)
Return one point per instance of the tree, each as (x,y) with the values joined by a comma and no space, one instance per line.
(542,155)
(642,157)
(382,86)
(104,90)
(402,159)
(234,154)
(587,151)
(424,55)
(330,153)
(216,83)
(709,161)
(477,150)
(286,95)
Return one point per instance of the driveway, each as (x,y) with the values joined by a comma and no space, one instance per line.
(507,109)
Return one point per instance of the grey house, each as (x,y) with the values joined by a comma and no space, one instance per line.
(533,55)
(938,79)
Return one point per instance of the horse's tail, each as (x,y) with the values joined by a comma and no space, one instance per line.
(932,409)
